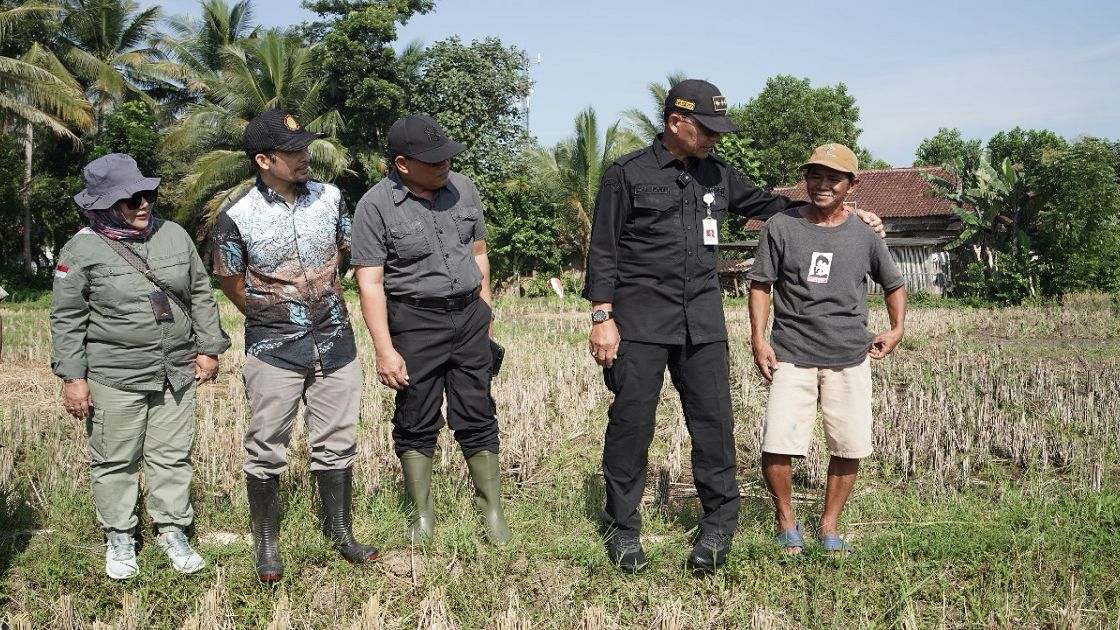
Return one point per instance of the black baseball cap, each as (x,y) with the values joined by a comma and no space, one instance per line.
(702,101)
(275,130)
(421,138)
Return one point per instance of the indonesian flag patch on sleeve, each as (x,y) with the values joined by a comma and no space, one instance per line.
(60,271)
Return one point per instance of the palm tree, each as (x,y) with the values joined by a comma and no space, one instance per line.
(644,125)
(193,52)
(108,45)
(198,43)
(267,72)
(573,168)
(37,91)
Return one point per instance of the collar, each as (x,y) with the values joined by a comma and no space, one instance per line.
(272,196)
(663,156)
(401,191)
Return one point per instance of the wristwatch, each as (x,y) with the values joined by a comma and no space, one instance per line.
(599,316)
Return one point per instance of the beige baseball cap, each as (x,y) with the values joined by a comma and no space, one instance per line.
(835,156)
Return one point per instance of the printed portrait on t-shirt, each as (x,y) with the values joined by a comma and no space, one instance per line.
(820,267)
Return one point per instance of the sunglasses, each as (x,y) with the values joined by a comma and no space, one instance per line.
(134,201)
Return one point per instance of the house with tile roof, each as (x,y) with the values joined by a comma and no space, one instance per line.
(919,226)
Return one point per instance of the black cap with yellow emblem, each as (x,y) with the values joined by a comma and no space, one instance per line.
(702,101)
(275,130)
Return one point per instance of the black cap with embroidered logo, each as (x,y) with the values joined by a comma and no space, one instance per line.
(421,138)
(275,130)
(702,101)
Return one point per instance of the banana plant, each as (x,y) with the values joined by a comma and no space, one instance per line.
(998,213)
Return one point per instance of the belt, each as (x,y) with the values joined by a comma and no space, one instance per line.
(456,303)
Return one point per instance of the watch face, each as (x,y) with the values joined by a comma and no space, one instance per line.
(599,316)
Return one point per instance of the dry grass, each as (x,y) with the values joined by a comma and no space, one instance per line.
(974,399)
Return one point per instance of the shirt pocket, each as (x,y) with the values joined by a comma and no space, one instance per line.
(117,290)
(174,271)
(409,240)
(466,222)
(651,212)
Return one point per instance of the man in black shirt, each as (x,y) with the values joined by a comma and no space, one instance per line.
(651,279)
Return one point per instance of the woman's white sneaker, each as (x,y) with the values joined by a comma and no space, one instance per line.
(183,558)
(120,556)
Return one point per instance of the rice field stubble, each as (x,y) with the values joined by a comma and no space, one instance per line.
(991,499)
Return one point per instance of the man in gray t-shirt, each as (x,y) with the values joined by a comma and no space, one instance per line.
(818,258)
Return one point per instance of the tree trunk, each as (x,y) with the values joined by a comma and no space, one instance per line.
(25,195)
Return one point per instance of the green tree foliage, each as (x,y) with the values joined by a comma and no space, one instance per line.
(572,169)
(34,87)
(133,129)
(948,149)
(524,233)
(1078,236)
(270,71)
(645,125)
(108,45)
(789,118)
(999,213)
(11,203)
(736,149)
(472,90)
(37,92)
(366,80)
(196,44)
(1026,148)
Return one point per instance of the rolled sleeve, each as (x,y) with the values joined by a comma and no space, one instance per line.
(611,208)
(368,248)
(69,317)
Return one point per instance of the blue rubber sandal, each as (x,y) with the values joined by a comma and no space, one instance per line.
(792,538)
(834,543)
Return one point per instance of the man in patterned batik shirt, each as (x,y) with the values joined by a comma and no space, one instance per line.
(277,251)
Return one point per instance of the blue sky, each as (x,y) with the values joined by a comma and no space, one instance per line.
(913,67)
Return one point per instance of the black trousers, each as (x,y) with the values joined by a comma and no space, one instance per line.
(443,351)
(700,375)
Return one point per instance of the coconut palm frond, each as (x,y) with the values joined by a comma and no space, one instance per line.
(329,159)
(214,170)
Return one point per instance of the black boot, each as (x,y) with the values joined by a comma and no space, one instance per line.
(336,490)
(264,510)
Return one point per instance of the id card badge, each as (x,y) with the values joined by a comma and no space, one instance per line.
(161,307)
(711,231)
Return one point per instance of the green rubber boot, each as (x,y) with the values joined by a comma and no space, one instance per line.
(417,469)
(488,495)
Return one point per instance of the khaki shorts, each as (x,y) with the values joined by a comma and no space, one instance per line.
(845,401)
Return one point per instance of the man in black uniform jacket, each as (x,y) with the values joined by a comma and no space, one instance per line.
(655,298)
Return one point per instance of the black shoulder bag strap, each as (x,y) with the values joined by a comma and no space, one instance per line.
(140,265)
